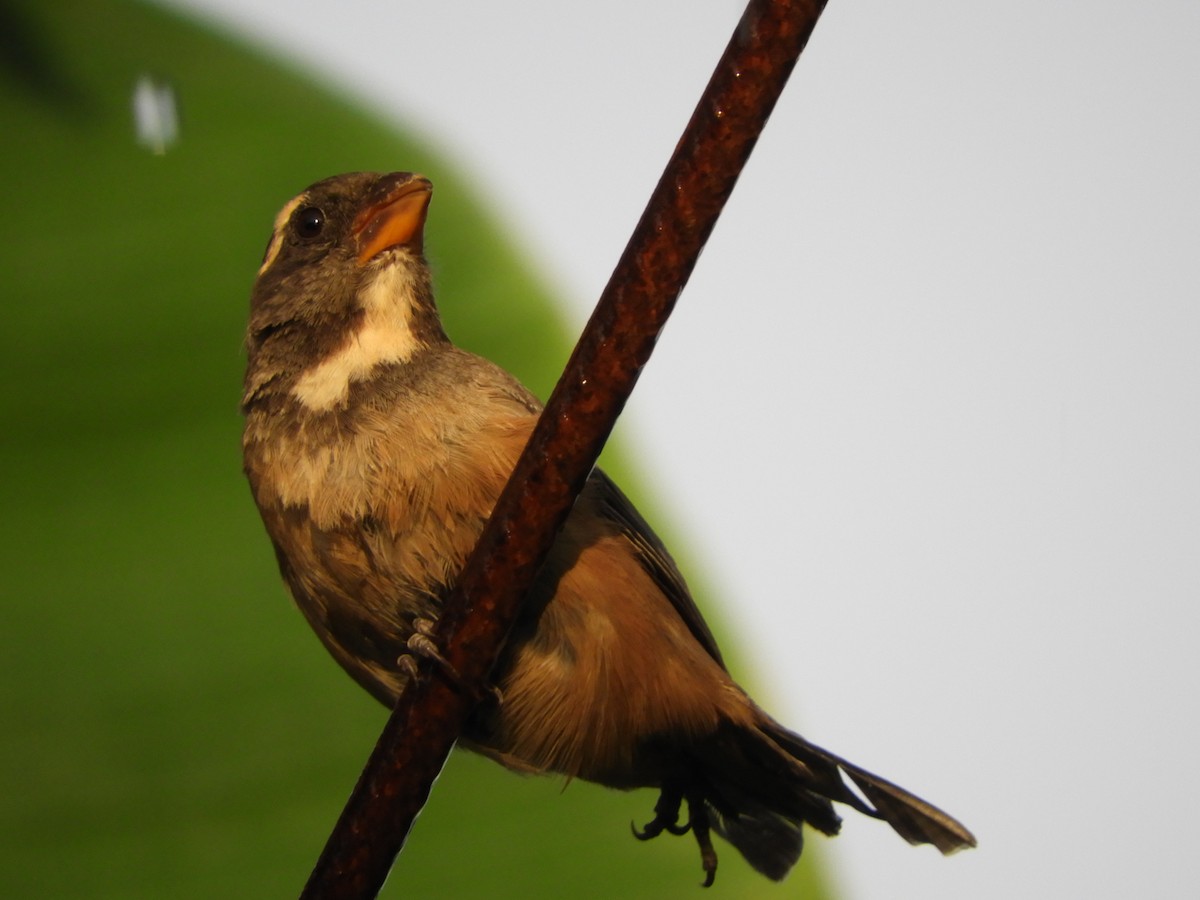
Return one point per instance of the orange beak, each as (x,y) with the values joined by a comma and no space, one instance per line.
(396,221)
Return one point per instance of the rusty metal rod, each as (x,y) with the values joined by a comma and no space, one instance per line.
(564,447)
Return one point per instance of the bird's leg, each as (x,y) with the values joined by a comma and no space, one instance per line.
(698,820)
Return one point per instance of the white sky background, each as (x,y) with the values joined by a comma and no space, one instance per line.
(928,410)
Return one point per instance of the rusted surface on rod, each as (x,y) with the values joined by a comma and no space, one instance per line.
(564,447)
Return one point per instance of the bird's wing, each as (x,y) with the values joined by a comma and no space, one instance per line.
(653,556)
(522,408)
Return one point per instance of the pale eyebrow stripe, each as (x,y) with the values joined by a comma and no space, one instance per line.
(281,221)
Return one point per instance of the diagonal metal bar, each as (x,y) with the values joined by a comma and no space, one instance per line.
(563,449)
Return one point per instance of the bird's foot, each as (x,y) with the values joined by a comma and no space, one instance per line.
(666,818)
(421,645)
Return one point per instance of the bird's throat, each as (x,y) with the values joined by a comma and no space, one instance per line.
(388,332)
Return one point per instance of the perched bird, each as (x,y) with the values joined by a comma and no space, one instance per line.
(376,449)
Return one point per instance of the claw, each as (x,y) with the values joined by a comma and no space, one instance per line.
(421,644)
(666,818)
(655,828)
(424,626)
(408,665)
(698,819)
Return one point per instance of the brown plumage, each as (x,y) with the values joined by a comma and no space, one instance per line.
(376,449)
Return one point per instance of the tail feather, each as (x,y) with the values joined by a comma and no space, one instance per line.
(772,844)
(763,784)
(914,819)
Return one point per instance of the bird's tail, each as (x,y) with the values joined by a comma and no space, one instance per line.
(763,783)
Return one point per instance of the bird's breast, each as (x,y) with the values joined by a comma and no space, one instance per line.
(422,454)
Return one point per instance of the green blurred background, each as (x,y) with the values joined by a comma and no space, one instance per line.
(170,726)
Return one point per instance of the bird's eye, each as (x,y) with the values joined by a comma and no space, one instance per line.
(309,222)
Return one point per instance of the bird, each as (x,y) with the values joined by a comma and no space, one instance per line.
(375,450)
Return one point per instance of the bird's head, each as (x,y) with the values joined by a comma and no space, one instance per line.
(343,288)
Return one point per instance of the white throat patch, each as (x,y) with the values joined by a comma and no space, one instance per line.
(385,336)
